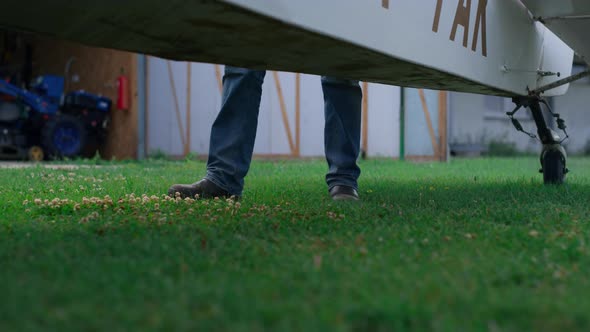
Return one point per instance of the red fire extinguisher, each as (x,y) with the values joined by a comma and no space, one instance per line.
(122,92)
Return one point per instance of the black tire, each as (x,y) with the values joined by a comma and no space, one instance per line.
(64,136)
(554,169)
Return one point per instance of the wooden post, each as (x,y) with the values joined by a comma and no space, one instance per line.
(402,124)
(219,78)
(146,136)
(176,106)
(442,125)
(283,107)
(429,123)
(365,120)
(187,147)
(298,115)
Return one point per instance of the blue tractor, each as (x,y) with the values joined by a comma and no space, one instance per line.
(43,123)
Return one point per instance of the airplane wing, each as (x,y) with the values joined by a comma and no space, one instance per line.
(568,19)
(480,46)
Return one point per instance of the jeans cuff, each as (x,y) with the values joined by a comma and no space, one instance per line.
(215,179)
(344,184)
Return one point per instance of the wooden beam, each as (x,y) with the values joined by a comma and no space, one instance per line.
(283,107)
(429,122)
(442,125)
(365,120)
(146,135)
(219,78)
(133,95)
(421,159)
(298,114)
(187,147)
(176,106)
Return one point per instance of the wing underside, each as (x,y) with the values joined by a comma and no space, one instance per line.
(568,19)
(426,44)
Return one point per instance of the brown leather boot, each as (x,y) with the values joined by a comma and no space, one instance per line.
(344,193)
(203,188)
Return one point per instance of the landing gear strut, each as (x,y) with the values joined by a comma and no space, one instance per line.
(553,157)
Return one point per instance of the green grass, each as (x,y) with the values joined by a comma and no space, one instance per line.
(476,245)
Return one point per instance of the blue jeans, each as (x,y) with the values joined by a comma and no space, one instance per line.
(234,131)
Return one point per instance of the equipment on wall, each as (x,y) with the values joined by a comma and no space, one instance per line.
(122,92)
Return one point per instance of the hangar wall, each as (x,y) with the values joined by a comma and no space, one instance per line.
(478,120)
(173,104)
(169,94)
(574,110)
(426,124)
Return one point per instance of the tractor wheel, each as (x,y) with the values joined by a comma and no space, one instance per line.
(64,136)
(554,168)
(36,153)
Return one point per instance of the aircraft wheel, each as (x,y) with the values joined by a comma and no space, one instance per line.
(554,168)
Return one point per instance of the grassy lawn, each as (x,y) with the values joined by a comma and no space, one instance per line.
(475,245)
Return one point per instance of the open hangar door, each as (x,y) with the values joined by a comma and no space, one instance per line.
(92,73)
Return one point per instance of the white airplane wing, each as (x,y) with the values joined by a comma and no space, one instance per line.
(480,46)
(568,19)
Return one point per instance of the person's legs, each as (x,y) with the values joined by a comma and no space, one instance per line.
(234,131)
(232,135)
(342,132)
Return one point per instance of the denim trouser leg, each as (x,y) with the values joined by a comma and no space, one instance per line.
(234,131)
(342,132)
